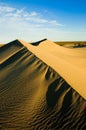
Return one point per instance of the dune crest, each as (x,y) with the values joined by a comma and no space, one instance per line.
(32,94)
(69,63)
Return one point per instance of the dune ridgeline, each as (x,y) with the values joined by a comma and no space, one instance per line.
(42,86)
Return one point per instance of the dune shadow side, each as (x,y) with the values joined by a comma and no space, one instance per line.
(52,95)
(14,43)
(37,43)
(55,90)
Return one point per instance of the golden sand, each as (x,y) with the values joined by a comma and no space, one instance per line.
(40,87)
(69,63)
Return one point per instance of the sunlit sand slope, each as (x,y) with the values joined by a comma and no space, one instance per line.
(35,97)
(69,63)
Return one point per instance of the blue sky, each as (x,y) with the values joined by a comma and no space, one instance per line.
(31,20)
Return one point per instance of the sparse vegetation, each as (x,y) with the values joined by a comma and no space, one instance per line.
(75,44)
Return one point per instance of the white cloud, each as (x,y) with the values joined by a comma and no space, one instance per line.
(20,23)
(31,25)
(6,9)
(11,13)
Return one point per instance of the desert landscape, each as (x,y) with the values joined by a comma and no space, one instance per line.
(42,85)
(43,65)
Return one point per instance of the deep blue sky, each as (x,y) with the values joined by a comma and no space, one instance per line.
(70,13)
(70,6)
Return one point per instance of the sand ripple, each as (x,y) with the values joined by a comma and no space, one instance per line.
(34,97)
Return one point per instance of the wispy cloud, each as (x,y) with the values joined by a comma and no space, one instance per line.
(32,25)
(10,13)
(20,23)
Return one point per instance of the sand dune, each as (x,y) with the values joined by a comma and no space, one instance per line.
(72,44)
(33,94)
(9,49)
(69,63)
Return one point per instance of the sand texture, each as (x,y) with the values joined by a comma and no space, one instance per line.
(69,63)
(42,87)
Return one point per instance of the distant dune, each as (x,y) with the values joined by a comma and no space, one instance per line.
(42,86)
(72,44)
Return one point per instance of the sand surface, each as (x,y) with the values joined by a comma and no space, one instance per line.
(69,63)
(39,88)
(72,44)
